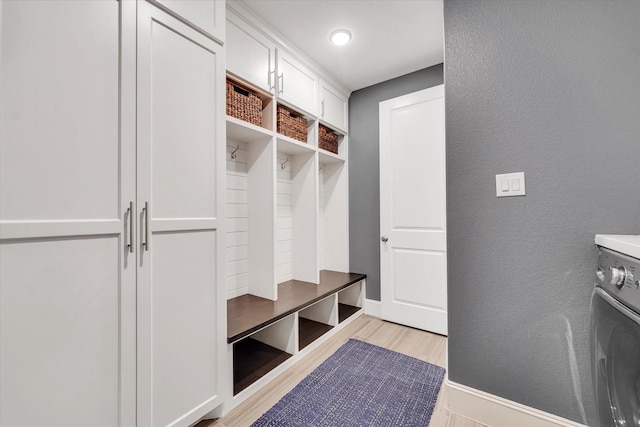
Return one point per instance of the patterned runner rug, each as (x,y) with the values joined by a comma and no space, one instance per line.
(361,385)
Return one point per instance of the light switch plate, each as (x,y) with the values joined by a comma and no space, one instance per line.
(510,184)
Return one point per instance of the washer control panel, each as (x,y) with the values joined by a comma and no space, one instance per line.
(619,275)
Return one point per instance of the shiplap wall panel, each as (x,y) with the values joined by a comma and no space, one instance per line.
(237,208)
(284,221)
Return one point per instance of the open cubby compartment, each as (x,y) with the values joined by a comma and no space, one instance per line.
(263,351)
(312,128)
(296,220)
(268,104)
(333,236)
(250,209)
(342,143)
(316,320)
(350,301)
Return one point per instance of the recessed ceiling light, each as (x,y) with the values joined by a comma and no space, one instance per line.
(340,37)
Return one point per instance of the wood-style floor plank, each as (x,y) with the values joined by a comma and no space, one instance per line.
(412,342)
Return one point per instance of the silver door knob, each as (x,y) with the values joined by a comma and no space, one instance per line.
(384,239)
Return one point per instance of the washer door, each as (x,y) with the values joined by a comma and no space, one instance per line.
(616,361)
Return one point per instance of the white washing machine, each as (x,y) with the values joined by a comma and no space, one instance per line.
(615,331)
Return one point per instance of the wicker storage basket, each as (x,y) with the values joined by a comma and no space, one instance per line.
(327,139)
(291,124)
(243,103)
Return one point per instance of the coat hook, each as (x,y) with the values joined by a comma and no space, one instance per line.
(233,153)
(282,165)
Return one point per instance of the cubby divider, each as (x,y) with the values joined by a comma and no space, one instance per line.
(262,217)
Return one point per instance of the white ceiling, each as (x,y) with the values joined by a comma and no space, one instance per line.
(390,37)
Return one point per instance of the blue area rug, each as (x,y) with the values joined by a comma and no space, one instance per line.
(361,385)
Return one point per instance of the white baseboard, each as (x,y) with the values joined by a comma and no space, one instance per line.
(372,308)
(496,411)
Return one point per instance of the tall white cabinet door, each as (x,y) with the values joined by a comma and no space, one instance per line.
(297,84)
(181,143)
(67,279)
(334,107)
(250,55)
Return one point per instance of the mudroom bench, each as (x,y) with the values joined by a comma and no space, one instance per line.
(265,337)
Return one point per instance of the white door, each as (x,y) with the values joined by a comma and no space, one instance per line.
(413,248)
(181,305)
(67,278)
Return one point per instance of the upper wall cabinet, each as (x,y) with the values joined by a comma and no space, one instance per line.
(297,84)
(208,16)
(333,106)
(250,55)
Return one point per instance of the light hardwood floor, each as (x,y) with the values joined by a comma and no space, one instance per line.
(412,342)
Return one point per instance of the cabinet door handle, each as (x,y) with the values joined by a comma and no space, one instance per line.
(130,225)
(272,82)
(322,103)
(145,210)
(281,91)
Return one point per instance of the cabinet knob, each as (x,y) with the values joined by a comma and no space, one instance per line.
(384,239)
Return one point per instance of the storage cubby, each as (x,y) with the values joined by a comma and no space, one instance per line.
(342,145)
(296,223)
(310,124)
(267,104)
(333,222)
(261,352)
(250,213)
(349,301)
(316,320)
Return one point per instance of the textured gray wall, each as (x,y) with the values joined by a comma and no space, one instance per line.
(551,88)
(364,174)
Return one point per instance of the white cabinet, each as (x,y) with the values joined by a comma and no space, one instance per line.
(111,195)
(180,170)
(287,204)
(334,106)
(250,55)
(67,280)
(206,15)
(297,84)
(286,207)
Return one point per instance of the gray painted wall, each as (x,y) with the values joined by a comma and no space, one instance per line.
(551,89)
(364,176)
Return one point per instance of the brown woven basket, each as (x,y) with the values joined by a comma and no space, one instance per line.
(244,104)
(291,124)
(327,139)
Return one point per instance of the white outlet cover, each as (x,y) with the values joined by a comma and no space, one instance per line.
(510,184)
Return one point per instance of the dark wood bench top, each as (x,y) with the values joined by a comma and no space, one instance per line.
(249,313)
